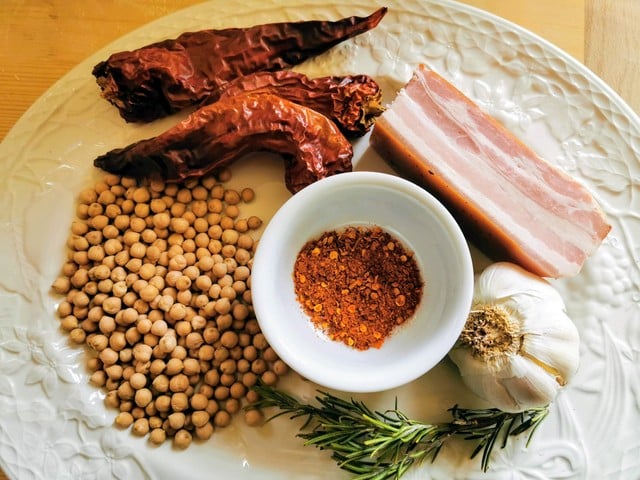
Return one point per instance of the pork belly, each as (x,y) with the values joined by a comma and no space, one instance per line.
(511,203)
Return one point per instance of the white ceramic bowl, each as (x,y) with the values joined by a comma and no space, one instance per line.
(415,218)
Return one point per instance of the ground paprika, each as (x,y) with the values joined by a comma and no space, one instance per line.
(357,284)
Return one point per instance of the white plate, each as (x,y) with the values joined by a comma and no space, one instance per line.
(53,425)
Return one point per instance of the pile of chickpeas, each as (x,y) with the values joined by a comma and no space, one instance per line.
(158,284)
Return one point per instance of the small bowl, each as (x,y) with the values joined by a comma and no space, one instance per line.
(415,218)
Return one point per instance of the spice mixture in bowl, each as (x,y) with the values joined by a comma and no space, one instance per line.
(362,282)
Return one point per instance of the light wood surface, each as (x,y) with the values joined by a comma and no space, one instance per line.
(42,40)
(612,33)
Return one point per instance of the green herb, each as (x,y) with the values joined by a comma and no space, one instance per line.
(384,445)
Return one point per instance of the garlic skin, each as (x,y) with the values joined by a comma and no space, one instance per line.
(519,347)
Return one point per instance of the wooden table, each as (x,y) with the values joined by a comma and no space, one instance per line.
(41,40)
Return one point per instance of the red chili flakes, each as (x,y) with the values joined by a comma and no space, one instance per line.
(357,285)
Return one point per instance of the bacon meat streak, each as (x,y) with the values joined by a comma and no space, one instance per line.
(514,205)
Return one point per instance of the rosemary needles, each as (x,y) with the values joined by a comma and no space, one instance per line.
(377,445)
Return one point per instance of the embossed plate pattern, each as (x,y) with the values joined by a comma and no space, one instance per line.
(53,425)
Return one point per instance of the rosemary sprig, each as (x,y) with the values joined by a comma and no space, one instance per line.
(384,445)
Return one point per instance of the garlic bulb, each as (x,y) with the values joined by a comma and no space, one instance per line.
(518,347)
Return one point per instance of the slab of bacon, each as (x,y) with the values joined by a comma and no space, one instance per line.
(513,204)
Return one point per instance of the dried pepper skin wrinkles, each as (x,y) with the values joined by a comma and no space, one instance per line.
(215,135)
(164,77)
(353,102)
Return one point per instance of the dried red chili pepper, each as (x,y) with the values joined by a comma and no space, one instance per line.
(164,77)
(357,285)
(215,135)
(353,102)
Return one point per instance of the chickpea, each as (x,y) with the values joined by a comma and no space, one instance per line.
(252,396)
(179,401)
(230,236)
(178,224)
(125,355)
(98,378)
(269,378)
(142,352)
(191,366)
(200,225)
(117,342)
(124,420)
(79,278)
(179,353)
(189,244)
(157,436)
(64,308)
(137,381)
(269,354)
(247,195)
(222,419)
(141,195)
(237,390)
(137,250)
(183,283)
(77,335)
(254,222)
(232,406)
(167,343)
(163,403)
(177,311)
(165,303)
(112,246)
(240,225)
(107,197)
(227,379)
(137,224)
(243,365)
(221,392)
(82,211)
(125,392)
(129,316)
(68,323)
(101,272)
(199,401)
(158,282)
(157,367)
(80,299)
(107,325)
(258,366)
(205,431)
(148,293)
(242,256)
(141,427)
(108,356)
(159,328)
(232,212)
(162,220)
(179,383)
(143,397)
(231,197)
(226,222)
(111,399)
(253,417)
(134,264)
(61,285)
(194,340)
(182,439)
